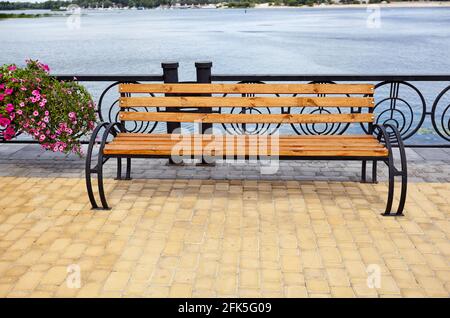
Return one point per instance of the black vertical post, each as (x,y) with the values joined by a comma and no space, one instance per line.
(204,76)
(170,75)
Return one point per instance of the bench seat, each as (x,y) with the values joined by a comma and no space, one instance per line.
(288,145)
(245,121)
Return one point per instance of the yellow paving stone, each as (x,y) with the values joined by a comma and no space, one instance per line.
(28,281)
(116,281)
(338,277)
(179,290)
(413,293)
(296,292)
(55,276)
(317,286)
(248,279)
(157,292)
(226,284)
(89,290)
(184,276)
(361,288)
(204,282)
(249,293)
(162,277)
(342,292)
(208,238)
(432,286)
(311,259)
(388,286)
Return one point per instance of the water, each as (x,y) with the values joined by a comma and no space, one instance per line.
(302,41)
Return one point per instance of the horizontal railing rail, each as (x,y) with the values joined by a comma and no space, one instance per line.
(417,104)
(328,77)
(109,78)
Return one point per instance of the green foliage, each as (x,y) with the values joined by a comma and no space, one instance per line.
(242,4)
(22,15)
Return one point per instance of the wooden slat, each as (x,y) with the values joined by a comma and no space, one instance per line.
(248,88)
(217,143)
(299,141)
(163,144)
(246,102)
(297,137)
(246,118)
(334,152)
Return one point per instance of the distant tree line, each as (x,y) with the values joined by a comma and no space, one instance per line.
(56,4)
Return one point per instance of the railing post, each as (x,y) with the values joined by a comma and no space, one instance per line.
(204,76)
(170,75)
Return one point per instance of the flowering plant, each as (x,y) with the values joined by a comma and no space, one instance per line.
(54,113)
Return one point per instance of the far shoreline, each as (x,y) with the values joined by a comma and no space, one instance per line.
(415,4)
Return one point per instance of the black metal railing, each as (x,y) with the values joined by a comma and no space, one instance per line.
(418,105)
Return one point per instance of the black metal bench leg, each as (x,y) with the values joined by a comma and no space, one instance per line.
(88,170)
(101,189)
(363,171)
(401,204)
(119,169)
(391,187)
(374,171)
(128,172)
(90,192)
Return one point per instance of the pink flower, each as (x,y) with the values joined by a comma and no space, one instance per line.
(46,113)
(2,96)
(35,113)
(12,68)
(35,92)
(19,112)
(23,88)
(9,108)
(46,119)
(9,133)
(4,121)
(42,138)
(22,104)
(72,115)
(45,67)
(8,91)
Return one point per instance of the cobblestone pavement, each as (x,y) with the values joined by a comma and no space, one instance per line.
(213,231)
(424,165)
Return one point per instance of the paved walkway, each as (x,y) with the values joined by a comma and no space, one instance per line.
(213,231)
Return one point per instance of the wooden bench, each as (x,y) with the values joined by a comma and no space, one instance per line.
(286,103)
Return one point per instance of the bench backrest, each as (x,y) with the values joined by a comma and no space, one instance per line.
(281,96)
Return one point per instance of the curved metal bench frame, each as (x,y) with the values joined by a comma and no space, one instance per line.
(381,132)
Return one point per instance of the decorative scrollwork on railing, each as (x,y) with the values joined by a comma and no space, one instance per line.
(319,128)
(111,113)
(406,111)
(440,116)
(249,129)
